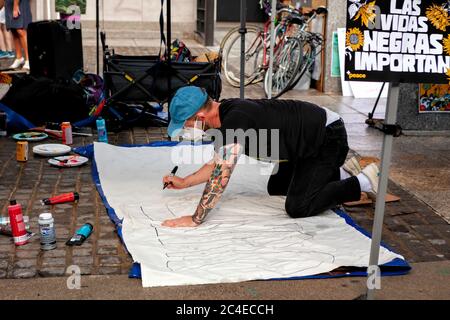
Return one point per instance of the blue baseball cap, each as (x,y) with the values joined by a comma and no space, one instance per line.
(186,102)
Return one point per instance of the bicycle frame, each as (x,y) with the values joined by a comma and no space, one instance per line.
(266,41)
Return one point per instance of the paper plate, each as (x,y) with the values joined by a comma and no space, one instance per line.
(30,136)
(68,161)
(51,150)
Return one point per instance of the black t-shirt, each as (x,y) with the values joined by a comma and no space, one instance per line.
(301,127)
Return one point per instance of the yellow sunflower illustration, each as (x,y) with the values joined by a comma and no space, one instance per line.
(438,17)
(366,13)
(354,39)
(446,43)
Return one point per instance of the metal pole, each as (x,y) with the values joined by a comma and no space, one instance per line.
(243,31)
(97,28)
(168,44)
(272,45)
(49,10)
(169,29)
(376,102)
(391,118)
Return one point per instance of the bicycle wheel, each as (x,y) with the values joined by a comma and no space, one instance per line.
(307,59)
(253,56)
(285,66)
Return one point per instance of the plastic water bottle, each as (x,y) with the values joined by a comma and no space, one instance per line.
(101,129)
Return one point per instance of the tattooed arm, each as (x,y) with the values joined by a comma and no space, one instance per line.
(198,177)
(218,181)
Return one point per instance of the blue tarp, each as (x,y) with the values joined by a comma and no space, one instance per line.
(17,123)
(14,121)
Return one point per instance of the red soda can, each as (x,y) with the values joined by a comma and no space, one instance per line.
(66,129)
(18,228)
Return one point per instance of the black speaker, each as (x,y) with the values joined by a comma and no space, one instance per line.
(55,51)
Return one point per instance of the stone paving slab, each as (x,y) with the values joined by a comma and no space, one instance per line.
(426,281)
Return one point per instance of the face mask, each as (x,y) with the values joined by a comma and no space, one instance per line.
(194,133)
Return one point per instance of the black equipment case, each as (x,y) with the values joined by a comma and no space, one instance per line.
(55,51)
(137,79)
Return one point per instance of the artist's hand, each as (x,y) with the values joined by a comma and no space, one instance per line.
(175,182)
(16,12)
(182,222)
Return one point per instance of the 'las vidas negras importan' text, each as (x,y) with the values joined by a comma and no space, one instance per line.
(400,42)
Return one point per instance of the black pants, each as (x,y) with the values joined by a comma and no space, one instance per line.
(313,185)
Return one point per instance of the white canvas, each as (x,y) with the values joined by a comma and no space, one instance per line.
(247,237)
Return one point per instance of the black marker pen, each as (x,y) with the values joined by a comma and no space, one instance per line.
(174,171)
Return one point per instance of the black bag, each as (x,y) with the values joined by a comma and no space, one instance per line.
(55,50)
(44,100)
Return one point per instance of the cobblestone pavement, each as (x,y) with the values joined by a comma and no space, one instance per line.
(412,227)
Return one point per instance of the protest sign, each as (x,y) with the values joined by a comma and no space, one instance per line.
(398,41)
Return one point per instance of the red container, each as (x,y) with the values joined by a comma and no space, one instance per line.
(19,231)
(66,129)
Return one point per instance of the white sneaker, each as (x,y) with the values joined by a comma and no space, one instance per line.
(17,63)
(372,172)
(26,65)
(352,166)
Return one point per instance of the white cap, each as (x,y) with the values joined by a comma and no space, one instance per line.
(45,216)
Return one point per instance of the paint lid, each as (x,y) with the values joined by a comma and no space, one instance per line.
(45,216)
(76,196)
(13,202)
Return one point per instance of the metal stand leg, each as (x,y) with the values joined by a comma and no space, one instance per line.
(97,30)
(272,45)
(169,61)
(243,31)
(376,102)
(391,118)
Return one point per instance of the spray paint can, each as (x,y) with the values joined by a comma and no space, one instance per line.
(22,151)
(101,129)
(5,230)
(62,198)
(81,235)
(2,124)
(5,220)
(47,231)
(66,129)
(18,229)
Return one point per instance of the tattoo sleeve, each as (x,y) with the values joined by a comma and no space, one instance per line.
(218,181)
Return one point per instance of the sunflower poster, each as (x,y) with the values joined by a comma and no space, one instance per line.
(434,98)
(398,41)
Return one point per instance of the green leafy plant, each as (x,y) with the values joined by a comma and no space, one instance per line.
(63,5)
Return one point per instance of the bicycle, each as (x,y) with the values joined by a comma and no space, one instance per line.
(311,44)
(257,49)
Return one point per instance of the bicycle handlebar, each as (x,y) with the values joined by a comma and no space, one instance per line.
(285,10)
(313,14)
